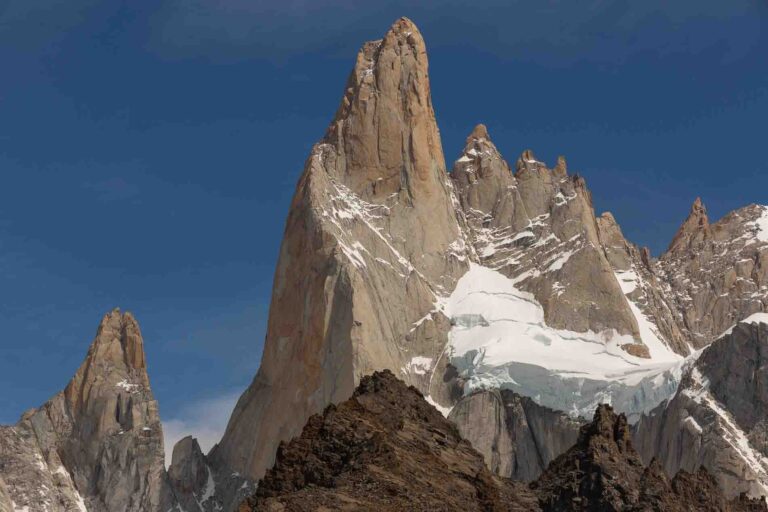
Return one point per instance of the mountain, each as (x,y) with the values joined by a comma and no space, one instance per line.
(97,445)
(386,448)
(488,277)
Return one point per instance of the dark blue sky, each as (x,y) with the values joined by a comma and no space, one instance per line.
(149,150)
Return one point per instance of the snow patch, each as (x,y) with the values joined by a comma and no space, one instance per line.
(445,411)
(419,365)
(691,423)
(130,388)
(628,281)
(761,223)
(210,487)
(560,261)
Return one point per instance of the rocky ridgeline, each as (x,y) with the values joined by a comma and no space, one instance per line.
(387,449)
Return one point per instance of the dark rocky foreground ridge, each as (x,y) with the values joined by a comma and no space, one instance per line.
(387,449)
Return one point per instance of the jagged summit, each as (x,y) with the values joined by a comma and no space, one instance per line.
(602,471)
(716,271)
(384,449)
(384,131)
(695,229)
(478,132)
(101,434)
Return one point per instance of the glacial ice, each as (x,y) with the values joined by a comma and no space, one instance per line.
(513,348)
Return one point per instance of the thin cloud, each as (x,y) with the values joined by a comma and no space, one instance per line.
(204,419)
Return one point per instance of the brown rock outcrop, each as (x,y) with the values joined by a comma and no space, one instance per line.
(602,471)
(384,449)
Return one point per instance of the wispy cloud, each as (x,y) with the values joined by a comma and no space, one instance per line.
(205,419)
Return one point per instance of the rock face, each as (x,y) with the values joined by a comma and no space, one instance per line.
(517,437)
(6,505)
(387,449)
(198,485)
(371,243)
(96,446)
(718,417)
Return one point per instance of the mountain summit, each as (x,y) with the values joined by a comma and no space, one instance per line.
(98,445)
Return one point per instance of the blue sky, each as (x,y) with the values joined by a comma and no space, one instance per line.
(149,150)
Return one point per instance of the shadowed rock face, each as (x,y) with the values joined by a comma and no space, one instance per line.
(98,445)
(387,449)
(517,437)
(717,419)
(198,485)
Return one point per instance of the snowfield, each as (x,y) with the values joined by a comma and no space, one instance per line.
(513,348)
